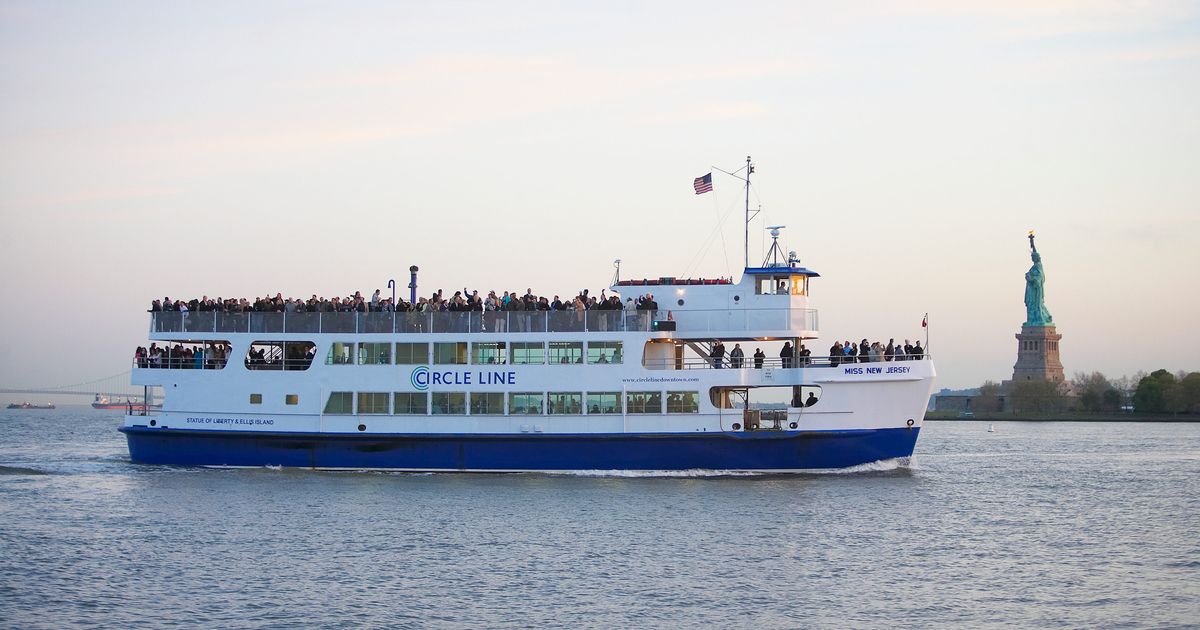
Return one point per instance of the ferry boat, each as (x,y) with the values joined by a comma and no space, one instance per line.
(502,391)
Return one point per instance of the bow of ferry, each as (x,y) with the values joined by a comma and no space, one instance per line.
(529,391)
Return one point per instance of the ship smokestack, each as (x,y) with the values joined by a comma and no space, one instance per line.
(412,285)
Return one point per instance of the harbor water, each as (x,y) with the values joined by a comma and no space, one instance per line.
(1032,525)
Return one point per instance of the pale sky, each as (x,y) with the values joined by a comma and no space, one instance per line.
(236,149)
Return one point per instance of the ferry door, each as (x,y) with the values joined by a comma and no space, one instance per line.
(731,406)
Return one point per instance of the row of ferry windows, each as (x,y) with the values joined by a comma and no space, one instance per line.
(481,353)
(519,403)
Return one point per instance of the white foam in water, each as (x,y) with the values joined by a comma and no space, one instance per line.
(885,465)
(695,472)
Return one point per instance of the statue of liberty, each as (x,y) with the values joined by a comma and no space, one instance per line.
(1035,296)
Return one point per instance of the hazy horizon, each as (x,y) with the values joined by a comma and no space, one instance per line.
(178,149)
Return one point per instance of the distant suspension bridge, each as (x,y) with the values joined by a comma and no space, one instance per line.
(115,386)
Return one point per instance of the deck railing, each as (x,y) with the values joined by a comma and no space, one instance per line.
(483,321)
(750,363)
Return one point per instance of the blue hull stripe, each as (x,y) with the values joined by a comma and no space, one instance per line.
(712,451)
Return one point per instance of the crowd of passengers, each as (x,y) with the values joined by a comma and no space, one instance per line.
(839,353)
(464,300)
(210,356)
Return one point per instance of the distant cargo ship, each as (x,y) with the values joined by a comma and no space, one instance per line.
(102,402)
(26,405)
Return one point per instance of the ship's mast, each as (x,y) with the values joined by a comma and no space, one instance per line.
(749,170)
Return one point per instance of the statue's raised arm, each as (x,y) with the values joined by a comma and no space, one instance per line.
(1035,297)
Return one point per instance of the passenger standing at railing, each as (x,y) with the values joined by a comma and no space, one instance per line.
(908,350)
(736,356)
(835,353)
(716,355)
(849,352)
(890,352)
(864,351)
(918,351)
(804,354)
(785,355)
(759,357)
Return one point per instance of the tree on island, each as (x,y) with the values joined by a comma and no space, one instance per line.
(1037,397)
(988,399)
(1096,392)
(1163,392)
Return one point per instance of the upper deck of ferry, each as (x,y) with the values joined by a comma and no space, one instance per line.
(767,302)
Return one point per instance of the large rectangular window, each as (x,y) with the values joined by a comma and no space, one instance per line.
(525,403)
(411,404)
(604,402)
(487,404)
(449,403)
(604,352)
(683,402)
(340,353)
(374,353)
(372,402)
(340,403)
(643,402)
(563,352)
(412,353)
(527,353)
(564,403)
(450,353)
(488,353)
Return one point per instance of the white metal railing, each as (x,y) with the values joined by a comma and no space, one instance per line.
(750,363)
(485,321)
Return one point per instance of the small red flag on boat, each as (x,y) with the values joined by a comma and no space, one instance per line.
(925,321)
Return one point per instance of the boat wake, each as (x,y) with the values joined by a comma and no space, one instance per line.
(882,466)
(20,470)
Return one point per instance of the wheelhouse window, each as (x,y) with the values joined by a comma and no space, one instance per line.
(564,403)
(373,402)
(450,353)
(488,353)
(412,353)
(566,352)
(340,403)
(449,403)
(683,402)
(527,353)
(487,404)
(340,353)
(799,285)
(525,403)
(411,403)
(643,402)
(604,402)
(604,352)
(374,353)
(773,285)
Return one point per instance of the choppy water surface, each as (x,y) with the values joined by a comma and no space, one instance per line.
(1049,525)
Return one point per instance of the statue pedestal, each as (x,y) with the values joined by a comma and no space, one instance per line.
(1037,355)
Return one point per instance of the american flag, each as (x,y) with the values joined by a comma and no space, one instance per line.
(703,184)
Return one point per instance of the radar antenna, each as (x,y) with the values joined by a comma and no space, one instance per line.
(775,257)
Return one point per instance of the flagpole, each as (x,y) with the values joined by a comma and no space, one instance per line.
(926,320)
